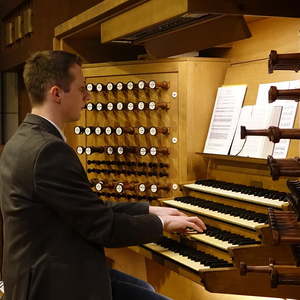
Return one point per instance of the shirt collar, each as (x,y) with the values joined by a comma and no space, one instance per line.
(59,130)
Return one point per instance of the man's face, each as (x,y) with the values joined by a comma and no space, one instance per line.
(74,100)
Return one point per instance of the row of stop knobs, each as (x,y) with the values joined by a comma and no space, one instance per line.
(128,106)
(120,187)
(130,85)
(127,172)
(121,150)
(98,130)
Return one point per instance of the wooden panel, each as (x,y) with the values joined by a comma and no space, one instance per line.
(101,11)
(8,33)
(222,29)
(44,19)
(145,15)
(251,284)
(244,7)
(261,255)
(281,34)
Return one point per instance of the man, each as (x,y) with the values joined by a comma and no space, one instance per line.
(54,225)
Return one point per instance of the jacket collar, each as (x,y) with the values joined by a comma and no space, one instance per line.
(37,120)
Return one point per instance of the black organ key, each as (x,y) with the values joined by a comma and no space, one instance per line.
(249,190)
(195,255)
(225,209)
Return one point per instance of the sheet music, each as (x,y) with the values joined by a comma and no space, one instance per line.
(262,117)
(288,112)
(244,120)
(224,119)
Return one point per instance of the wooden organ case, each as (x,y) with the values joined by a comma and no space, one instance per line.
(233,195)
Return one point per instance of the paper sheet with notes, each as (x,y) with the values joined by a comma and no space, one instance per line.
(256,117)
(224,120)
(289,109)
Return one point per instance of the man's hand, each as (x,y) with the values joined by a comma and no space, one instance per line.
(165,211)
(182,223)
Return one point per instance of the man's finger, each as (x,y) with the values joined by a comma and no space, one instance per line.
(195,226)
(198,221)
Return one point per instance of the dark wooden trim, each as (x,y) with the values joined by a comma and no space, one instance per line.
(289,8)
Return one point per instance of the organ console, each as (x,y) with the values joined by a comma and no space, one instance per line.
(148,154)
(290,94)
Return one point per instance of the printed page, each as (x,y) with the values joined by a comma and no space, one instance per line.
(244,120)
(288,112)
(224,119)
(262,117)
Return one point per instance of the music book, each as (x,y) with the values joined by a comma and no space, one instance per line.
(225,117)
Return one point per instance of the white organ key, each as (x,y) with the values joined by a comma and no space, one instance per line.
(214,214)
(236,195)
(197,266)
(212,241)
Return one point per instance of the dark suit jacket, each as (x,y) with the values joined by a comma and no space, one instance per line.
(54,225)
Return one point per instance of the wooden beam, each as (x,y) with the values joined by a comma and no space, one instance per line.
(200,36)
(97,13)
(289,8)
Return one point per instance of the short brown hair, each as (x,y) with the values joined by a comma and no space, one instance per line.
(45,69)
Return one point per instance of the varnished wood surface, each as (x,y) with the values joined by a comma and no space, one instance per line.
(101,11)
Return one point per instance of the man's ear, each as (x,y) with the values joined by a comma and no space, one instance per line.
(56,93)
